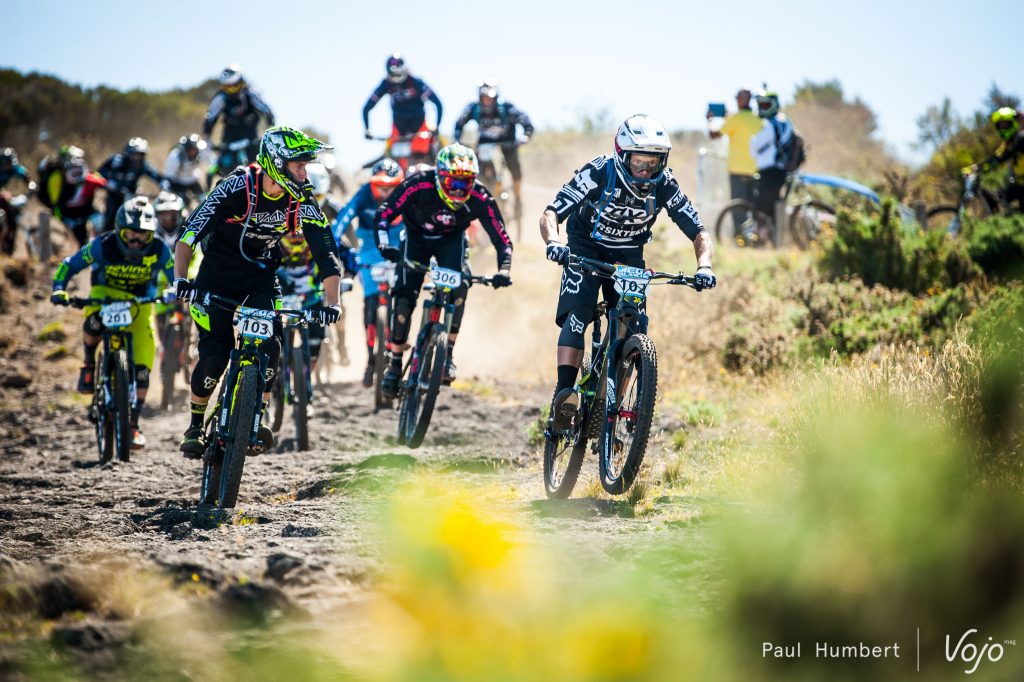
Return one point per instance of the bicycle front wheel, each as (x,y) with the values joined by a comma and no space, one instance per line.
(429,385)
(122,407)
(380,359)
(627,423)
(168,365)
(104,419)
(809,220)
(300,397)
(243,411)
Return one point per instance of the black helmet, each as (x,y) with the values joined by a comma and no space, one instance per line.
(8,157)
(396,68)
(136,214)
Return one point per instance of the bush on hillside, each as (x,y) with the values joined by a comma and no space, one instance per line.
(881,250)
(997,245)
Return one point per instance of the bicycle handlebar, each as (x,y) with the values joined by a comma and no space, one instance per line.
(225,303)
(607,270)
(474,279)
(76,302)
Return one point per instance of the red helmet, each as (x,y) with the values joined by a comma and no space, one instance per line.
(387,175)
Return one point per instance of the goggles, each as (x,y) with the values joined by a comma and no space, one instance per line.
(638,163)
(1004,125)
(233,89)
(129,235)
(457,188)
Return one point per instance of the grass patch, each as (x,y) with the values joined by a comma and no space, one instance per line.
(54,331)
(57,353)
(535,429)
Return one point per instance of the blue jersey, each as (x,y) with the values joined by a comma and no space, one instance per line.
(363,206)
(17,171)
(113,266)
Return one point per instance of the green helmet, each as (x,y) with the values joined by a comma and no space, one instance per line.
(1005,121)
(767,103)
(280,145)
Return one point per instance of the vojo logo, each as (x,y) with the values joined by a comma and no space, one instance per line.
(973,655)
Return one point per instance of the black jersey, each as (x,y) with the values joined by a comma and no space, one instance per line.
(244,227)
(407,103)
(426,215)
(599,206)
(123,176)
(241,113)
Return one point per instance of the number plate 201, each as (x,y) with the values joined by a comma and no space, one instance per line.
(115,315)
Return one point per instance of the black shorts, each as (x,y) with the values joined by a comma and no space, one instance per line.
(578,292)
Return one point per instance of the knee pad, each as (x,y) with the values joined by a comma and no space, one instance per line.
(141,376)
(573,327)
(402,317)
(212,361)
(272,347)
(92,325)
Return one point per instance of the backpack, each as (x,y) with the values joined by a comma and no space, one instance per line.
(794,154)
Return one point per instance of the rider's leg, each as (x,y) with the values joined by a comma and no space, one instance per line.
(92,330)
(515,169)
(769,185)
(216,339)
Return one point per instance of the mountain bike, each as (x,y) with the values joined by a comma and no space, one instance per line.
(233,425)
(410,149)
(230,155)
(617,387)
(975,203)
(383,275)
(294,385)
(742,224)
(175,342)
(424,370)
(115,395)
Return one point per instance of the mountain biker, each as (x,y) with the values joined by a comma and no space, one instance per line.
(245,217)
(770,146)
(408,96)
(436,207)
(125,263)
(240,107)
(170,217)
(68,190)
(182,174)
(386,174)
(498,121)
(122,171)
(298,274)
(740,127)
(611,204)
(1006,121)
(9,169)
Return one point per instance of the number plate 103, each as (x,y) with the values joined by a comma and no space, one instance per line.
(115,315)
(255,322)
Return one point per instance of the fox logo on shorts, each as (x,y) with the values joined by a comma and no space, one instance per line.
(571,280)
(575,326)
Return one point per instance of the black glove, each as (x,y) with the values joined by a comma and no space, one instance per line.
(327,315)
(501,279)
(705,278)
(391,253)
(59,297)
(184,290)
(367,134)
(558,252)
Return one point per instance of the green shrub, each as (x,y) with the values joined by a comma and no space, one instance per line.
(881,251)
(997,245)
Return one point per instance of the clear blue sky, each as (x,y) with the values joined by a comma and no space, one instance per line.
(316,62)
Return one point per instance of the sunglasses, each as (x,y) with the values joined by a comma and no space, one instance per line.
(136,236)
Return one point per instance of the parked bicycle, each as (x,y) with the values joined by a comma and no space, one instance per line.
(233,425)
(617,387)
(975,203)
(424,370)
(116,393)
(294,385)
(741,223)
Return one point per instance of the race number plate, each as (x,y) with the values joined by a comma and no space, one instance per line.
(630,281)
(255,322)
(382,272)
(115,315)
(401,149)
(443,277)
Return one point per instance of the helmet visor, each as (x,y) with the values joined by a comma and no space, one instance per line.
(233,88)
(135,238)
(765,103)
(1004,125)
(457,188)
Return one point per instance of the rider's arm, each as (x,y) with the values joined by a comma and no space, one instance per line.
(464,117)
(371,102)
(521,118)
(321,242)
(172,166)
(585,185)
(393,206)
(216,108)
(485,209)
(262,107)
(74,264)
(429,94)
(684,214)
(348,213)
(166,264)
(228,198)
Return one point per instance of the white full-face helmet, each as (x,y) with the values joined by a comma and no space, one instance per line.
(641,153)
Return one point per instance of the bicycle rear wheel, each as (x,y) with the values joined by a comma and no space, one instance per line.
(809,220)
(104,420)
(278,392)
(122,407)
(429,385)
(300,398)
(563,454)
(243,412)
(628,425)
